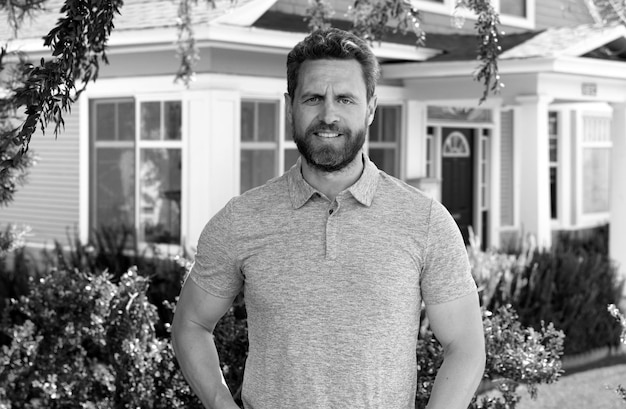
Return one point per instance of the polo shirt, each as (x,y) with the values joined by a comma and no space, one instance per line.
(333,289)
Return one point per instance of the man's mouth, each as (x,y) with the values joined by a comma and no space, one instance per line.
(327,134)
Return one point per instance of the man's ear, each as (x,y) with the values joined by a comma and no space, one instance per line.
(371,109)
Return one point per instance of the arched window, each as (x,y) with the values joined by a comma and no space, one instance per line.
(456,146)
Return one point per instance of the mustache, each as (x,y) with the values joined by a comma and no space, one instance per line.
(320,127)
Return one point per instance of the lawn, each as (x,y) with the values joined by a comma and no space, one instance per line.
(591,387)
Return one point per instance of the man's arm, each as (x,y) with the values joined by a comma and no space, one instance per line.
(197,313)
(458,327)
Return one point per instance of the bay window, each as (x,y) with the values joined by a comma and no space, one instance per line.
(136,165)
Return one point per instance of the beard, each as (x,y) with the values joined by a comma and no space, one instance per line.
(329,157)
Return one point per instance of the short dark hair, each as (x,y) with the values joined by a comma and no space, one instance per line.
(329,44)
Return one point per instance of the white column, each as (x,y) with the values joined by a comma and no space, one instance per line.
(617,229)
(415,143)
(531,140)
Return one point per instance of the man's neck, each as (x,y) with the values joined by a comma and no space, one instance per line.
(332,183)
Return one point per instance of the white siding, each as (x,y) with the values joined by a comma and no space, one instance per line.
(558,13)
(506,169)
(48,202)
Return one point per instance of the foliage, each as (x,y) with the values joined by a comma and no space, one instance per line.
(607,11)
(12,238)
(568,286)
(515,356)
(621,318)
(47,89)
(82,341)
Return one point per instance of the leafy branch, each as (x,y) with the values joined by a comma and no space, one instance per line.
(488,46)
(371,19)
(48,89)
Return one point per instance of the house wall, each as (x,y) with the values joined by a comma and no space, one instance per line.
(49,201)
(124,63)
(558,13)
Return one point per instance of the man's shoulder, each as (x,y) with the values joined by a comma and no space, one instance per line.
(402,193)
(271,193)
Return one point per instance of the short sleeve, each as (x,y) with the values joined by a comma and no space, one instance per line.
(446,273)
(216,267)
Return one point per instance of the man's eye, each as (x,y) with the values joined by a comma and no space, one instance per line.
(345,100)
(312,100)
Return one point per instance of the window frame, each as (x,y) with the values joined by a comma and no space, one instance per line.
(448,7)
(397,144)
(591,218)
(137,144)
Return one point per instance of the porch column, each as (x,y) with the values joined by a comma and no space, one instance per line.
(617,218)
(532,144)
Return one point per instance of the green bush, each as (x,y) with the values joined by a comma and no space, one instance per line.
(515,356)
(569,285)
(80,341)
(83,341)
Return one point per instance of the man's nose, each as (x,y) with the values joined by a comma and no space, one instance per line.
(329,114)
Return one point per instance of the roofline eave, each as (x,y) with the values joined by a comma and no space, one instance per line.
(562,65)
(225,36)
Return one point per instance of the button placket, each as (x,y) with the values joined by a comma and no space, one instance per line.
(331,232)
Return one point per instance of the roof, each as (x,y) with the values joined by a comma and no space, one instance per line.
(567,42)
(134,15)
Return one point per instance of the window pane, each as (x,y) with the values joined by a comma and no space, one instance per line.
(172,120)
(247,121)
(553,193)
(114,200)
(267,121)
(513,7)
(374,131)
(391,116)
(257,167)
(105,122)
(596,166)
(291,156)
(385,159)
(150,120)
(159,214)
(126,121)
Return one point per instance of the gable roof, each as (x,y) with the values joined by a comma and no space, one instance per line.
(566,42)
(134,15)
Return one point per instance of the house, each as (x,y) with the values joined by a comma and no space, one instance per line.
(544,155)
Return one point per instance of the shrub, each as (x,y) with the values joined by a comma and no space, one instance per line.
(515,356)
(568,286)
(84,342)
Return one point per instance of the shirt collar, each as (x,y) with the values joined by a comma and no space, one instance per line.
(362,190)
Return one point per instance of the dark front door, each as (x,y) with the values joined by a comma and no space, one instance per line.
(457,185)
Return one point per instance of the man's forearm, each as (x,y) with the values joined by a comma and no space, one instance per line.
(457,380)
(197,355)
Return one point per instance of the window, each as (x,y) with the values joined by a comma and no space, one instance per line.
(596,162)
(484,169)
(456,146)
(430,154)
(512,12)
(259,142)
(553,135)
(137,162)
(384,137)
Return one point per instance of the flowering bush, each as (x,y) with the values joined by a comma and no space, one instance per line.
(80,341)
(515,356)
(569,285)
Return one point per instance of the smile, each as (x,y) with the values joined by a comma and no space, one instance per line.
(327,134)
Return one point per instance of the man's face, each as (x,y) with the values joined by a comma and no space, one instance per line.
(330,113)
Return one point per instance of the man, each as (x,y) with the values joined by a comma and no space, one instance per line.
(335,258)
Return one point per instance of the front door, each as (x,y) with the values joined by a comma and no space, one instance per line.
(457,185)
